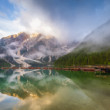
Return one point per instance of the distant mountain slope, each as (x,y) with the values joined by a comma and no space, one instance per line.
(97,40)
(25,50)
(94,50)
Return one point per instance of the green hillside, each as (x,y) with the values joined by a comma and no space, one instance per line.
(4,63)
(82,57)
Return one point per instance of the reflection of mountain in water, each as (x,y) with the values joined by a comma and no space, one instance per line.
(24,83)
(46,90)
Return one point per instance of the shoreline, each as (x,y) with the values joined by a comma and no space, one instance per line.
(104,69)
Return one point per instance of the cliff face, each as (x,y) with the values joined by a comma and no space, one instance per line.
(32,49)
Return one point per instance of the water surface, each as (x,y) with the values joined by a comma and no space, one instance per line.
(53,90)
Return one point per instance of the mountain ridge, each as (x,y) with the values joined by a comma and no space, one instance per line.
(24,49)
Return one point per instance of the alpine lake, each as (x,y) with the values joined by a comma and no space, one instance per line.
(53,90)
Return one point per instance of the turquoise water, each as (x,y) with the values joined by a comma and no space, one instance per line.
(53,90)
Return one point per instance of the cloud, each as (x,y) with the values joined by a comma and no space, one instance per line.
(59,101)
(67,20)
(8,27)
(2,14)
(2,97)
(34,19)
(2,55)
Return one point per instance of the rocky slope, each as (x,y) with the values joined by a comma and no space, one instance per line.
(25,50)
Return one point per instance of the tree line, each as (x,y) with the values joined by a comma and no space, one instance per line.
(81,58)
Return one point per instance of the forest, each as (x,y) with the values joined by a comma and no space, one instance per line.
(82,57)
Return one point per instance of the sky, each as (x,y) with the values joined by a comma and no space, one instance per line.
(64,19)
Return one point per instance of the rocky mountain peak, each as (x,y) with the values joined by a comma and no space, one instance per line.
(24,48)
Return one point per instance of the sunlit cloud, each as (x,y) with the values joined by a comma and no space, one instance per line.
(9,27)
(62,19)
